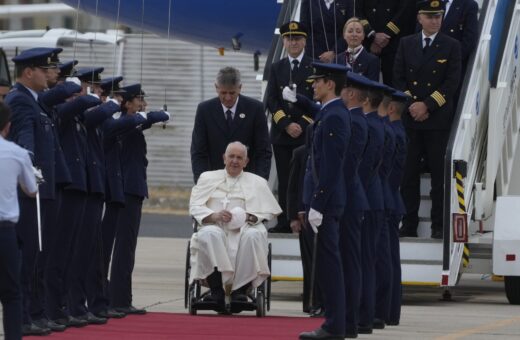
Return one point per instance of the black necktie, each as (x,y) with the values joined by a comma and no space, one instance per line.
(427,42)
(295,63)
(229,118)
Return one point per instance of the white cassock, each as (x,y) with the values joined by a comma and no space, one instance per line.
(240,254)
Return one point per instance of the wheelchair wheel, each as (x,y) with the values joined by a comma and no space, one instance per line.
(187,277)
(260,304)
(268,285)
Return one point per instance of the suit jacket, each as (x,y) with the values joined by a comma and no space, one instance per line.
(73,136)
(113,130)
(372,159)
(330,38)
(461,23)
(283,112)
(331,135)
(211,136)
(431,77)
(396,174)
(32,128)
(396,18)
(387,165)
(356,197)
(365,64)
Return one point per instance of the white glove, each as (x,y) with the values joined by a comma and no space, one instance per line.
(169,116)
(89,93)
(38,175)
(112,100)
(74,80)
(315,219)
(289,94)
(143,114)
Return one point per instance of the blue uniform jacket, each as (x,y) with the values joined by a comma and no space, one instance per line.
(461,23)
(113,130)
(396,175)
(331,135)
(366,64)
(387,164)
(372,159)
(59,93)
(32,128)
(357,199)
(133,157)
(73,135)
(93,120)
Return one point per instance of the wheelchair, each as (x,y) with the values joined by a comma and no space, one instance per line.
(259,299)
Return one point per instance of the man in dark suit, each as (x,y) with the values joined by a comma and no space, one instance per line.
(227,118)
(461,22)
(385,22)
(289,121)
(325,20)
(32,127)
(427,66)
(324,194)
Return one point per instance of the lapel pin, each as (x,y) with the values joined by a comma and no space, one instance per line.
(242,115)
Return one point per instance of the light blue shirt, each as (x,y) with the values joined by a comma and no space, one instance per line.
(15,168)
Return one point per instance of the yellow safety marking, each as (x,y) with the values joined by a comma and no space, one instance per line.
(460,189)
(480,329)
(419,283)
(286,278)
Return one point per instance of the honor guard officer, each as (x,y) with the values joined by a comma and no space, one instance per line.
(373,220)
(385,22)
(384,273)
(97,121)
(289,121)
(427,66)
(324,194)
(73,137)
(113,129)
(353,95)
(395,109)
(32,128)
(133,166)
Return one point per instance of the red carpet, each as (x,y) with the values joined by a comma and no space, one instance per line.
(187,327)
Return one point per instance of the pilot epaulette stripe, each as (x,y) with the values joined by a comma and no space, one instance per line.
(308,119)
(278,115)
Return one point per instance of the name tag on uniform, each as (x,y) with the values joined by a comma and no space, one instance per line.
(442,61)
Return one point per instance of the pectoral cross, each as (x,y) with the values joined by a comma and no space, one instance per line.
(225,202)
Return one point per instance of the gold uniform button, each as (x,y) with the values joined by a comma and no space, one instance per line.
(414,97)
(331,134)
(289,116)
(321,191)
(434,71)
(429,84)
(451,30)
(415,83)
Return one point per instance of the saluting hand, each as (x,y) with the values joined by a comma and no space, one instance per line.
(327,57)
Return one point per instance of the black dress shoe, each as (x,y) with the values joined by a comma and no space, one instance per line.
(110,313)
(238,297)
(351,335)
(364,329)
(71,321)
(317,312)
(130,310)
(437,234)
(32,329)
(392,323)
(378,324)
(91,319)
(53,326)
(407,232)
(320,334)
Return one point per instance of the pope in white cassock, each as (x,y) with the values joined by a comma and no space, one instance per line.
(230,246)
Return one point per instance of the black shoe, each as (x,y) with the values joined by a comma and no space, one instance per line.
(130,310)
(283,229)
(378,324)
(407,232)
(71,321)
(364,329)
(44,323)
(110,313)
(32,329)
(351,335)
(91,319)
(392,323)
(320,334)
(437,234)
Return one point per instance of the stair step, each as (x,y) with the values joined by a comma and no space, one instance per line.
(418,249)
(422,262)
